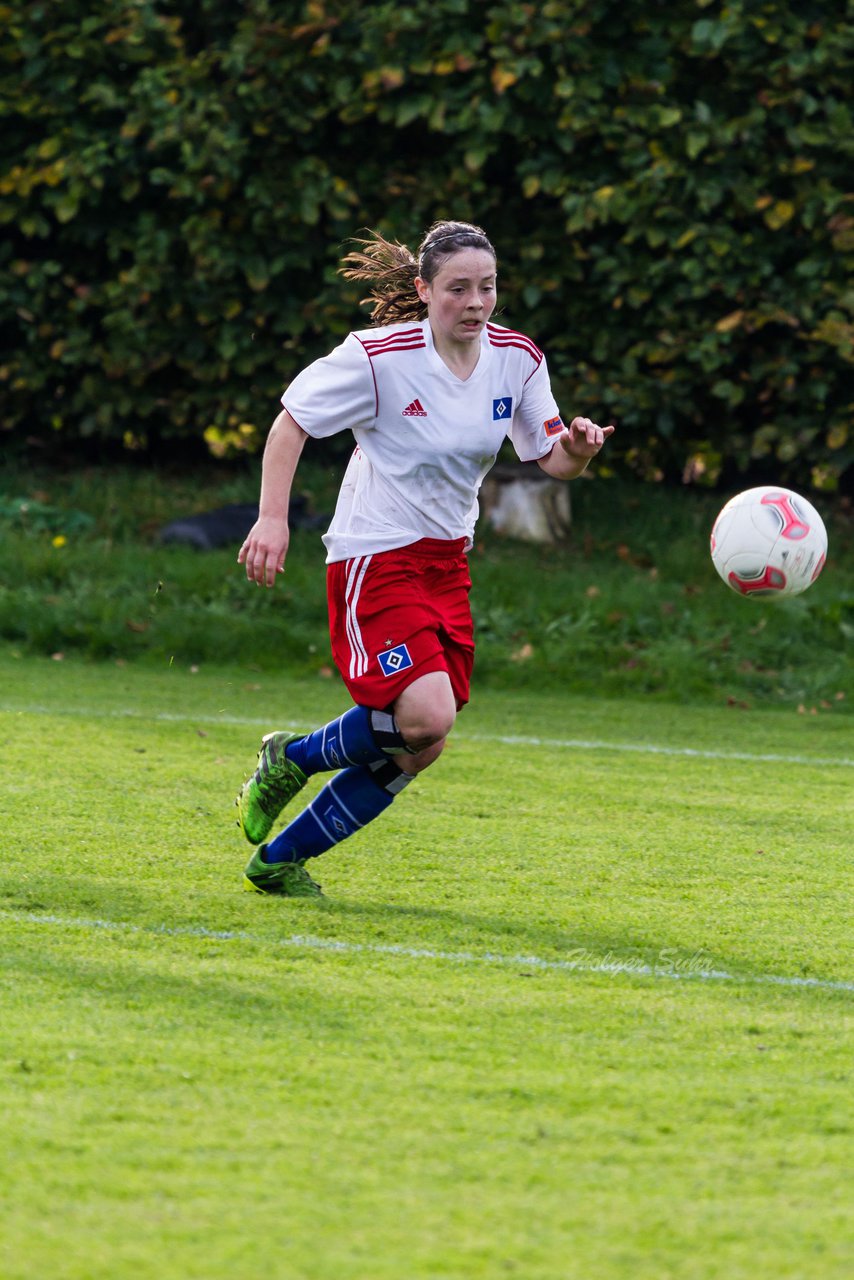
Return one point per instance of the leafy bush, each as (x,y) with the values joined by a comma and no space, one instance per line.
(668,187)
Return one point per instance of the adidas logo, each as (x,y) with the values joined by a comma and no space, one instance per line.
(415,410)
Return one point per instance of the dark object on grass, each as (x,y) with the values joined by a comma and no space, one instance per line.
(230,525)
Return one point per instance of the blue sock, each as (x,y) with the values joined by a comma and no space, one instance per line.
(349,801)
(359,736)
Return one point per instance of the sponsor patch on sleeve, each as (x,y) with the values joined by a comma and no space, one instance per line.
(553,426)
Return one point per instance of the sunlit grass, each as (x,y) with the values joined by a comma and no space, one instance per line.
(549,1020)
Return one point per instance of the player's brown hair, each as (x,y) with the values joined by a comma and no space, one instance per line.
(391,268)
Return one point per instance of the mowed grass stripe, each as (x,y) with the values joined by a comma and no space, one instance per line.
(581,961)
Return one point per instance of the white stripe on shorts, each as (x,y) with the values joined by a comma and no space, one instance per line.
(358,652)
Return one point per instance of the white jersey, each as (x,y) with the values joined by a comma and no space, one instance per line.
(425,438)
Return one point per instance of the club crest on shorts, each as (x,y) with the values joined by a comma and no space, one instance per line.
(502,409)
(393,660)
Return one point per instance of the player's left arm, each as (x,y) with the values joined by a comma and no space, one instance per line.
(574,447)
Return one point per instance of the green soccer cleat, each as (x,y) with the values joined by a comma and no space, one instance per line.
(287,879)
(273,784)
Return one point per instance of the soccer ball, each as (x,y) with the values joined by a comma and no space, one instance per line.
(768,542)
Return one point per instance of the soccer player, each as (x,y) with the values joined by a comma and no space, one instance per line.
(429,392)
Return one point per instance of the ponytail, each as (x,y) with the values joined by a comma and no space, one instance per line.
(391,268)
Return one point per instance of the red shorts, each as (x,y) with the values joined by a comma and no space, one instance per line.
(397,615)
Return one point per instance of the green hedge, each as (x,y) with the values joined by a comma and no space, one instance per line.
(668,185)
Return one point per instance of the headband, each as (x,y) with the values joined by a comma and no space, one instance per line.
(452,235)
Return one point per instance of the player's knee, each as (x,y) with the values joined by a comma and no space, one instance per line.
(426,711)
(422,760)
(427,726)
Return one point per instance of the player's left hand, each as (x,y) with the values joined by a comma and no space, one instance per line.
(584,438)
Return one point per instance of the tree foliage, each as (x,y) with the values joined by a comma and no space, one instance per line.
(668,187)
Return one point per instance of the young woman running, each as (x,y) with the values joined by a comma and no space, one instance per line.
(429,392)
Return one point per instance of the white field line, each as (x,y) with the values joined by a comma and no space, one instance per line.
(560,744)
(579,960)
(651,748)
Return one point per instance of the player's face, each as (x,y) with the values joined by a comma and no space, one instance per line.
(461,296)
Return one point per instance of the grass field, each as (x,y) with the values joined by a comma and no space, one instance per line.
(629,604)
(575,1008)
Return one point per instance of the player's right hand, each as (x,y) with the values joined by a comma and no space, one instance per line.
(264,550)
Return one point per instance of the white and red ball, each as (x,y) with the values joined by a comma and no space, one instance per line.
(769,541)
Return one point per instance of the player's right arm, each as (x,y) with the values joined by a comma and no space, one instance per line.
(263,553)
